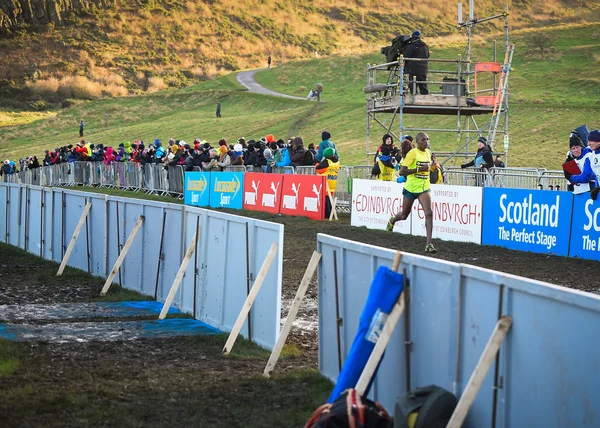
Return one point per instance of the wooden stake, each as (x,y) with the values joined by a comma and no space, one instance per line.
(121,257)
(260,278)
(65,259)
(179,277)
(485,362)
(384,338)
(308,274)
(333,202)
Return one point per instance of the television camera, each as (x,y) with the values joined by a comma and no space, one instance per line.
(397,48)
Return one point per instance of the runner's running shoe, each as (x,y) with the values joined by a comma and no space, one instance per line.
(390,225)
(429,248)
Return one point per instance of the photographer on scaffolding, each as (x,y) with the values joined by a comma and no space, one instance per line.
(417,70)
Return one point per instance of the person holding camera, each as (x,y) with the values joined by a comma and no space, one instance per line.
(417,70)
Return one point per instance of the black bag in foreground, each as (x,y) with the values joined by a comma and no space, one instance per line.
(350,410)
(427,407)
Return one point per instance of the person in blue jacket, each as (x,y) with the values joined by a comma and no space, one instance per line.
(591,168)
(285,158)
(325,144)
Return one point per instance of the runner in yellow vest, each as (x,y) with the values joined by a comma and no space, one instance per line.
(330,167)
(415,167)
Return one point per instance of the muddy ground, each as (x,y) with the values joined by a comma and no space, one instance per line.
(186,380)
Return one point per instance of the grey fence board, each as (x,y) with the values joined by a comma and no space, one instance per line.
(221,252)
(549,363)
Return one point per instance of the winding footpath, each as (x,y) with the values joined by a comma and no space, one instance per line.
(246,78)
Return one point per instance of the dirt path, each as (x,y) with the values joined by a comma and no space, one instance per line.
(246,78)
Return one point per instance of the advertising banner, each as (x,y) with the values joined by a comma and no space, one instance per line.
(374,202)
(226,189)
(262,192)
(585,228)
(527,220)
(303,195)
(456,213)
(196,189)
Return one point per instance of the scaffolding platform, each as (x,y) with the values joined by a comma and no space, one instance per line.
(426,104)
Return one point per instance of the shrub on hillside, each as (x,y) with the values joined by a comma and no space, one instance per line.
(79,87)
(156,84)
(115,91)
(39,105)
(45,87)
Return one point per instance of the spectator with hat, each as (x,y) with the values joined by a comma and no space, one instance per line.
(385,167)
(417,70)
(329,167)
(483,161)
(591,166)
(388,140)
(578,153)
(325,144)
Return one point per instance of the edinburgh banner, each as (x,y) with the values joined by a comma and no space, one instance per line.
(527,220)
(456,213)
(196,190)
(585,228)
(374,202)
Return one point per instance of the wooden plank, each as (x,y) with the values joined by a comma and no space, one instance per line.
(485,362)
(333,202)
(384,338)
(179,276)
(121,257)
(260,278)
(65,259)
(308,274)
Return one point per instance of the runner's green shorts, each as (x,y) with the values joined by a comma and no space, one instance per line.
(413,196)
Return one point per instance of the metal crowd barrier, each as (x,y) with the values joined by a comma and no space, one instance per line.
(306,170)
(553,180)
(233,168)
(468,177)
(158,179)
(516,178)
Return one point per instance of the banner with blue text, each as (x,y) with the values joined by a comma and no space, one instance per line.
(226,190)
(527,220)
(585,228)
(196,189)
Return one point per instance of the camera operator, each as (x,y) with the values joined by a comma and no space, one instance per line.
(417,70)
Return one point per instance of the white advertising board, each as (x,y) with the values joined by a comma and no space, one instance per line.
(374,202)
(456,213)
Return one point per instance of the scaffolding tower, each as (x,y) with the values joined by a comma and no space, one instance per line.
(467,92)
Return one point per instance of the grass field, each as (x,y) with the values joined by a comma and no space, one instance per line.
(549,97)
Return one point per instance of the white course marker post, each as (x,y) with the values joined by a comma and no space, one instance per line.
(384,338)
(485,362)
(310,270)
(260,278)
(179,277)
(121,257)
(65,259)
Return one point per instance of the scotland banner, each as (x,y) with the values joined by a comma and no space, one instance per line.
(527,220)
(585,229)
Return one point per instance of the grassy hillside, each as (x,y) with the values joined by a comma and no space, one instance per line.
(149,45)
(549,97)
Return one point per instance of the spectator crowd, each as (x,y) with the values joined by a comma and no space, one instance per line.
(263,154)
